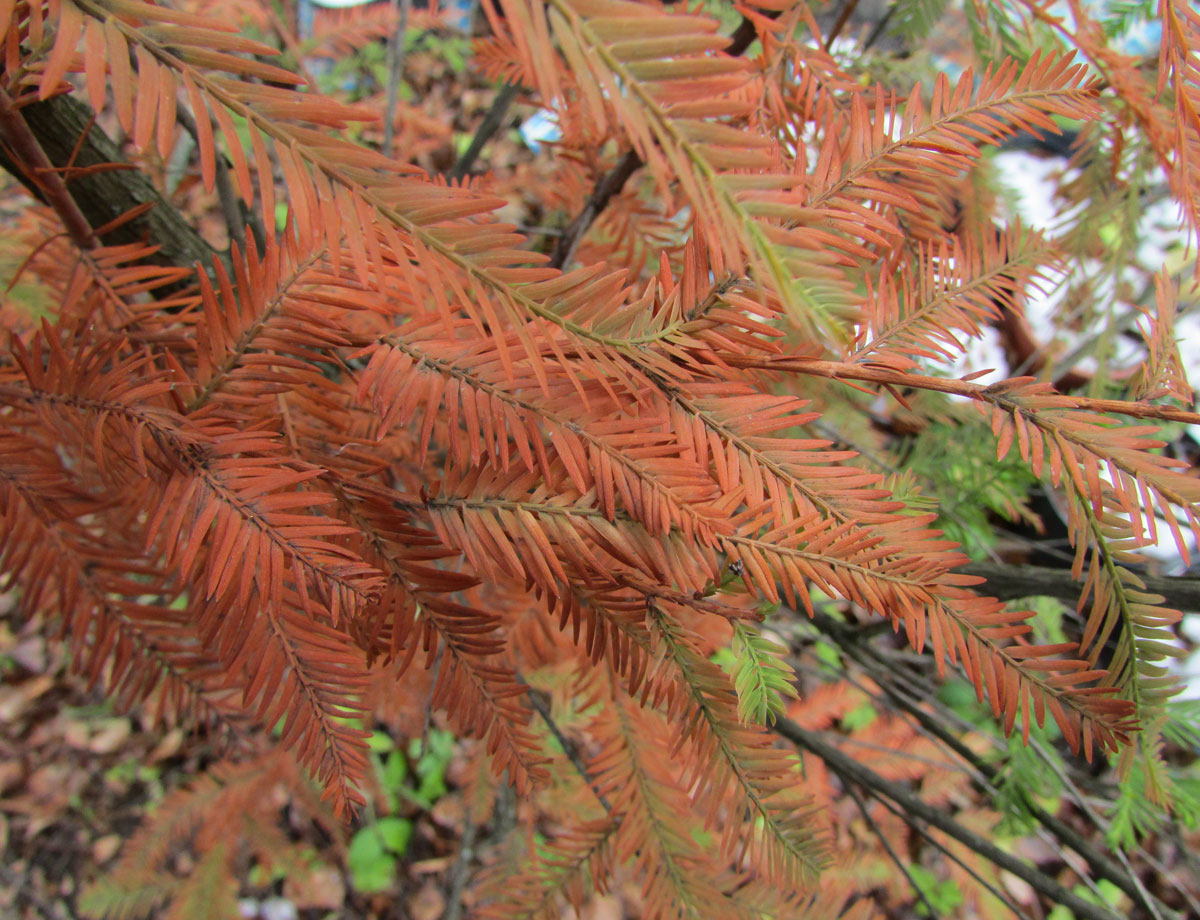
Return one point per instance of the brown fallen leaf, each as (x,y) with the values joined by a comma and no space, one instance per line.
(12,774)
(77,733)
(109,735)
(323,888)
(168,747)
(14,700)
(106,847)
(428,903)
(604,907)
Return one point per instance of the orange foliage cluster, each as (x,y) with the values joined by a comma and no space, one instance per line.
(389,431)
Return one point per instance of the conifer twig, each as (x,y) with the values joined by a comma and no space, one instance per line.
(458,871)
(877,31)
(609,185)
(842,370)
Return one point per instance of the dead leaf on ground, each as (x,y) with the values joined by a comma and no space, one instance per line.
(109,735)
(428,903)
(106,847)
(15,699)
(323,888)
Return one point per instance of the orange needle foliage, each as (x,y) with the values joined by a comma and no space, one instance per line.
(389,431)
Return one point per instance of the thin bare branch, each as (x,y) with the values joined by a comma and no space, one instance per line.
(853,771)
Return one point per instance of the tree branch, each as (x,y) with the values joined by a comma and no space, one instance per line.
(491,123)
(1010,581)
(849,640)
(395,70)
(232,206)
(844,14)
(850,770)
(944,848)
(610,184)
(888,848)
(569,749)
(101,196)
(33,165)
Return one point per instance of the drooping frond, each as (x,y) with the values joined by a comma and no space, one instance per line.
(1163,371)
(222,509)
(1118,492)
(1126,625)
(574,863)
(739,764)
(486,699)
(761,677)
(1172,133)
(139,649)
(954,290)
(1086,449)
(656,76)
(209,815)
(1177,64)
(680,879)
(334,187)
(920,142)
